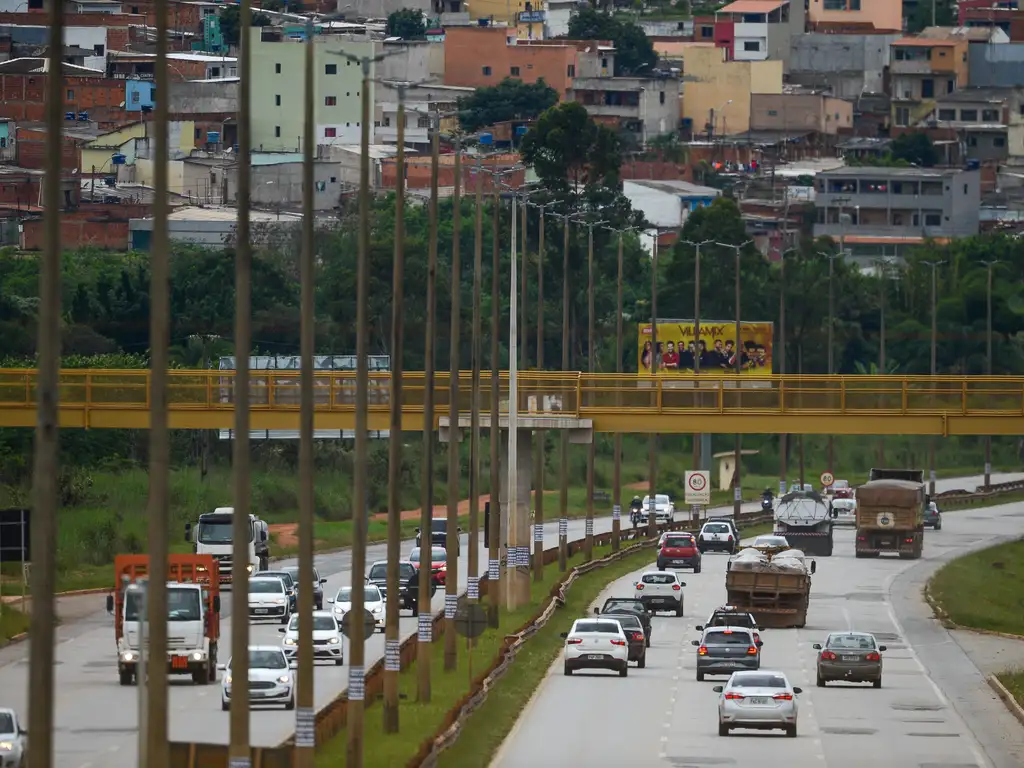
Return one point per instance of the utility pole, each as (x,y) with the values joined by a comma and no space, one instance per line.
(473,566)
(524,326)
(451,582)
(514,544)
(591,368)
(156,754)
(934,354)
(881,265)
(540,440)
(494,434)
(831,344)
(783,437)
(239,754)
(563,479)
(45,502)
(652,441)
(696,459)
(988,359)
(617,468)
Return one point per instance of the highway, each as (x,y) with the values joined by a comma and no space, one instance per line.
(96,718)
(933,711)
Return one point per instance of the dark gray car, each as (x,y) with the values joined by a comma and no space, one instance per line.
(724,650)
(932,516)
(318,585)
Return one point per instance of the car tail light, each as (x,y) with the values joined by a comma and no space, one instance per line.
(757,637)
(752,650)
(640,586)
(908,540)
(734,696)
(676,587)
(873,656)
(702,651)
(616,641)
(828,656)
(862,538)
(783,697)
(638,637)
(729,537)
(574,640)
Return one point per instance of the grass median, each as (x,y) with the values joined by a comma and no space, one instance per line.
(982,590)
(12,623)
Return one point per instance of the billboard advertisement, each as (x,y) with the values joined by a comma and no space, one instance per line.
(718,347)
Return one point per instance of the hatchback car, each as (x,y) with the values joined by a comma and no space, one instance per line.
(660,591)
(635,638)
(854,657)
(270,678)
(373,601)
(717,537)
(289,585)
(678,550)
(664,509)
(318,585)
(268,599)
(844,512)
(759,700)
(932,516)
(327,642)
(596,643)
(724,650)
(13,741)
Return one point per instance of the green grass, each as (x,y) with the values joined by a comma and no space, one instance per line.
(1014,683)
(419,722)
(982,590)
(12,622)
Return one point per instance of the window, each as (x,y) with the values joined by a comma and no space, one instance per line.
(423,122)
(950,86)
(854,5)
(947,115)
(998,141)
(604,62)
(387,121)
(487,71)
(330,69)
(330,133)
(928,89)
(969,115)
(752,45)
(71,94)
(214,72)
(933,220)
(661,97)
(136,97)
(277,69)
(98,49)
(834,5)
(707,32)
(277,100)
(514,71)
(570,71)
(902,116)
(330,101)
(990,115)
(277,131)
(972,141)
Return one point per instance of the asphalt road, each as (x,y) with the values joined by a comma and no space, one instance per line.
(933,711)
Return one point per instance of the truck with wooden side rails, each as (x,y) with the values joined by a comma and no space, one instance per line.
(193,615)
(890,513)
(776,589)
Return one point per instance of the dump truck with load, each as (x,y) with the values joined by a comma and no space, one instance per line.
(193,615)
(890,513)
(776,589)
(804,519)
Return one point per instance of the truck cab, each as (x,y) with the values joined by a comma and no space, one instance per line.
(214,535)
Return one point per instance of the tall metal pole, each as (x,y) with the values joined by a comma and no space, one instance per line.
(357,643)
(591,367)
(524,325)
(831,344)
(617,467)
(494,433)
(783,437)
(934,355)
(539,446)
(563,470)
(392,663)
(426,622)
(45,461)
(158,507)
(882,288)
(988,359)
(451,582)
(697,437)
(473,568)
(515,545)
(737,498)
(239,753)
(652,442)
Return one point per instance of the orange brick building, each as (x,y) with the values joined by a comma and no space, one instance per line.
(23,91)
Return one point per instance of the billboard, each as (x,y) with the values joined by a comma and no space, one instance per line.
(719,347)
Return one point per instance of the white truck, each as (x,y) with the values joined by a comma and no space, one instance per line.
(805,519)
(214,535)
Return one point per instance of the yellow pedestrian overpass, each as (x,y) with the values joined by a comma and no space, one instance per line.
(627,403)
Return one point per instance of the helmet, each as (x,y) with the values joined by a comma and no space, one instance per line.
(636,498)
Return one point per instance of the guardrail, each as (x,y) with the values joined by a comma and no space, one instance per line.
(981,494)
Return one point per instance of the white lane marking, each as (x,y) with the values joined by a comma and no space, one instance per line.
(848,620)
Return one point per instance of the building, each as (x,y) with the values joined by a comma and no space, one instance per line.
(995,66)
(980,121)
(849,65)
(1005,15)
(639,107)
(278,66)
(881,210)
(111,152)
(276,180)
(922,70)
(211,226)
(716,95)
(800,112)
(755,30)
(181,66)
(527,17)
(419,103)
(667,204)
(879,15)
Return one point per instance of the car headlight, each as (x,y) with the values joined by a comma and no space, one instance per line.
(289,641)
(128,656)
(227,680)
(197,656)
(333,641)
(248,568)
(6,746)
(278,601)
(284,679)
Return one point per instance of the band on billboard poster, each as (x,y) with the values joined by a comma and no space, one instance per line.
(677,349)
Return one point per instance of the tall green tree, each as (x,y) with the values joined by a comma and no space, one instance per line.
(230,22)
(511,99)
(406,23)
(634,51)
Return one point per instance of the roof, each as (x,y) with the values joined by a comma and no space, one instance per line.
(865,142)
(276,158)
(753,6)
(924,42)
(877,171)
(971,34)
(981,93)
(225,214)
(674,187)
(207,57)
(892,240)
(32,66)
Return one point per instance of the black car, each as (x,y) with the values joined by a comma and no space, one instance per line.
(633,628)
(439,534)
(289,585)
(408,579)
(318,585)
(628,605)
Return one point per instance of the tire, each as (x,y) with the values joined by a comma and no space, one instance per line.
(624,672)
(700,677)
(648,642)
(415,610)
(642,662)
(696,568)
(821,681)
(679,611)
(339,662)
(877,683)
(225,705)
(661,567)
(286,618)
(791,731)
(567,671)
(723,729)
(290,704)
(201,676)
(125,677)
(938,526)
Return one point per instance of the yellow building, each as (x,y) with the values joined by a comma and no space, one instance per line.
(97,154)
(716,92)
(526,16)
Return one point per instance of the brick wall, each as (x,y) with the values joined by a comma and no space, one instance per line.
(22,97)
(108,20)
(20,190)
(31,150)
(102,226)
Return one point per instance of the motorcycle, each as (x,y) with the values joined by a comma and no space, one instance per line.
(766,504)
(634,517)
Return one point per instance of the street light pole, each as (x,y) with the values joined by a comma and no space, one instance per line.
(934,355)
(563,479)
(473,565)
(696,460)
(783,437)
(652,441)
(988,359)
(617,468)
(540,440)
(831,344)
(881,265)
(514,546)
(494,434)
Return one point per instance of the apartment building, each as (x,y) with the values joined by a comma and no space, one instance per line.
(877,15)
(420,103)
(641,107)
(986,124)
(800,112)
(922,70)
(716,98)
(849,65)
(756,30)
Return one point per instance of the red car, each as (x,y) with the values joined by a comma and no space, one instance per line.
(438,563)
(679,550)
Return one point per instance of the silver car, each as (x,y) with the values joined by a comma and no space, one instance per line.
(724,650)
(761,701)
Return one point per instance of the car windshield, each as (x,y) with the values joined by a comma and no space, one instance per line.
(731,620)
(320,623)
(844,504)
(217,531)
(628,621)
(770,541)
(183,605)
(678,541)
(852,642)
(659,578)
(716,528)
(757,681)
(727,638)
(597,626)
(379,571)
(371,594)
(439,525)
(293,574)
(6,723)
(266,586)
(267,660)
(613,604)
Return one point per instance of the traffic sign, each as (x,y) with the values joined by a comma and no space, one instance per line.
(827,479)
(368,625)
(698,487)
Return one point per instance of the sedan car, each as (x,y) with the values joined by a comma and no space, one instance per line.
(855,657)
(318,585)
(596,644)
(678,550)
(844,512)
(660,591)
(724,650)
(628,605)
(635,637)
(932,516)
(13,741)
(270,678)
(761,701)
(373,601)
(327,643)
(438,563)
(268,599)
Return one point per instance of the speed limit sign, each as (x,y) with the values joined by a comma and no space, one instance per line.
(698,487)
(827,479)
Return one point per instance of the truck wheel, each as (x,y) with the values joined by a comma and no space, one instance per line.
(126,676)
(700,677)
(201,676)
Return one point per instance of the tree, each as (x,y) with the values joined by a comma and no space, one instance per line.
(915,148)
(230,21)
(634,51)
(511,99)
(570,152)
(407,23)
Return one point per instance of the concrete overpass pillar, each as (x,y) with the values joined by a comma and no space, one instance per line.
(516,542)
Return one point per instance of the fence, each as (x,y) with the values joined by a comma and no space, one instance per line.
(980,494)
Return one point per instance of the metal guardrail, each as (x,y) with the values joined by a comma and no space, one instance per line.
(981,494)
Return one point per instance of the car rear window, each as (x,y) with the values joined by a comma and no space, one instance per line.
(731,620)
(597,626)
(627,621)
(727,638)
(758,681)
(622,605)
(717,528)
(679,541)
(379,571)
(439,525)
(852,642)
(659,578)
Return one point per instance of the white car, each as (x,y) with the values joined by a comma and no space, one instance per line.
(759,700)
(844,512)
(717,536)
(664,509)
(270,678)
(13,741)
(268,599)
(373,601)
(596,643)
(660,591)
(327,643)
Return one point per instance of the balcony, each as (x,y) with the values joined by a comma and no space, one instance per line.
(836,231)
(388,134)
(913,67)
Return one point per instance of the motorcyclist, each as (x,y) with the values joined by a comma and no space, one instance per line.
(634,510)
(767,497)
